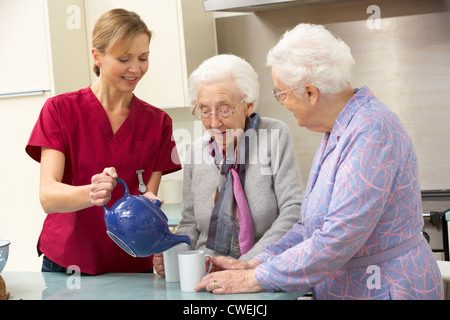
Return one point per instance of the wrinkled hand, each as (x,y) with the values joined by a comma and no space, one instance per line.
(102,185)
(227,263)
(158,264)
(230,281)
(230,276)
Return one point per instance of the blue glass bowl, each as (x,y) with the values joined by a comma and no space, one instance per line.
(4,251)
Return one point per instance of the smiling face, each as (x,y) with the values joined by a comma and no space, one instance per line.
(221,95)
(123,70)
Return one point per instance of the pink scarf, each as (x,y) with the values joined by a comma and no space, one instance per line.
(228,234)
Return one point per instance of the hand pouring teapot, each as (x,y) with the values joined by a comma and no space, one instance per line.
(138,225)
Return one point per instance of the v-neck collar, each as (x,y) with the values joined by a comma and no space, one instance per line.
(104,123)
(360,97)
(331,139)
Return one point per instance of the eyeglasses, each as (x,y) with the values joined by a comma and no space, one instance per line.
(222,113)
(281,94)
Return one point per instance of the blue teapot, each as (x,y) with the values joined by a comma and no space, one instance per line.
(138,225)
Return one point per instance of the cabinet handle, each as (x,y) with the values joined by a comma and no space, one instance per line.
(16,94)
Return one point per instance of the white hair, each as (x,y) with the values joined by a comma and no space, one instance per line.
(225,67)
(311,54)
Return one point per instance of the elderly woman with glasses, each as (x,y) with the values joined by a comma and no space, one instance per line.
(242,186)
(359,236)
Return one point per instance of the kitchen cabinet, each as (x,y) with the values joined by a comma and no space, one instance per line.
(68,50)
(43,47)
(183,36)
(15,59)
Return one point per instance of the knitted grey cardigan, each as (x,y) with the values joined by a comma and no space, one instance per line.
(272,187)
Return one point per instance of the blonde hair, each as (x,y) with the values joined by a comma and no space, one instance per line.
(116,30)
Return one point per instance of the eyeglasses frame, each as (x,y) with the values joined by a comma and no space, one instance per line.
(278,95)
(214,113)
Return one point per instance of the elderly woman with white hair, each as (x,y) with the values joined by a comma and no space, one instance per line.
(359,236)
(242,186)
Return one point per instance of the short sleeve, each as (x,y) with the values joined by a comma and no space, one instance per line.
(167,157)
(46,132)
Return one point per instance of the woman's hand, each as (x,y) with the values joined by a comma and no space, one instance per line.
(226,263)
(102,185)
(158,264)
(230,281)
(151,196)
(231,276)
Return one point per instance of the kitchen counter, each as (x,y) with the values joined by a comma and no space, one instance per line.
(114,286)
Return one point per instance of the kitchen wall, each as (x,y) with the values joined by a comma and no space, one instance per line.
(402,52)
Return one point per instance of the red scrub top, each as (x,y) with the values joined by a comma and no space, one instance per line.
(77,125)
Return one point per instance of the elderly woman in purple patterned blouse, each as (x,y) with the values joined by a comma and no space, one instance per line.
(359,236)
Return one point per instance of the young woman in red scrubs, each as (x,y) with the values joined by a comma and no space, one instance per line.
(85,139)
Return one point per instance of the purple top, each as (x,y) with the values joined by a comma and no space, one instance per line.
(362,198)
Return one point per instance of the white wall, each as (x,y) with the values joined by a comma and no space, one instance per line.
(405,62)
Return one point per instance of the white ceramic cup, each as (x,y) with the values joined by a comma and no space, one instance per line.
(171,262)
(192,268)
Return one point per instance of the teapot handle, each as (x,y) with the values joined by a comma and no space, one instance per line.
(127,193)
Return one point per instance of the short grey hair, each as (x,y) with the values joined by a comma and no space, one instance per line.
(311,54)
(225,67)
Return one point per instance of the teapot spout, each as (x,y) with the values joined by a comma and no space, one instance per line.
(173,240)
(181,238)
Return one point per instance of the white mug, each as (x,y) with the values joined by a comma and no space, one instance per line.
(192,268)
(171,262)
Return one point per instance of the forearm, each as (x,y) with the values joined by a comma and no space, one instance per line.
(59,197)
(154,181)
(56,196)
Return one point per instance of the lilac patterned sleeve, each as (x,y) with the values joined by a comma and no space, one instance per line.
(362,198)
(290,239)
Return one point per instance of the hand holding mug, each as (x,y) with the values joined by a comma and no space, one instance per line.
(230,281)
